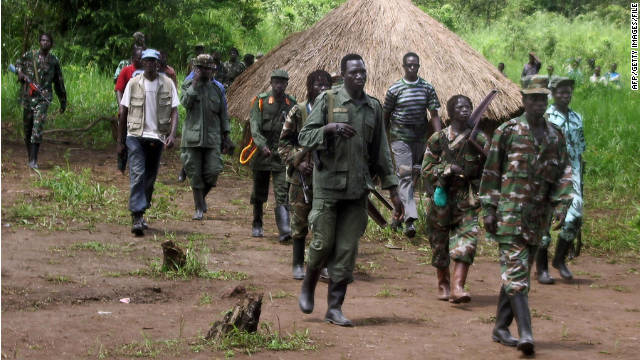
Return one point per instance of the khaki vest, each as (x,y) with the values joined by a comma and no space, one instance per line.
(135,118)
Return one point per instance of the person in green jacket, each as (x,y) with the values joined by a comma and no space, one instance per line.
(268,112)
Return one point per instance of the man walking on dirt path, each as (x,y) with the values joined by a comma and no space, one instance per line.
(268,112)
(300,167)
(39,70)
(570,123)
(453,167)
(205,134)
(527,173)
(405,115)
(147,123)
(346,130)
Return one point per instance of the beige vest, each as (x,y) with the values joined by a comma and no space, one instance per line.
(136,116)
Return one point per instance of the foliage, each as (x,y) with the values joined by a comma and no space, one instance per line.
(266,338)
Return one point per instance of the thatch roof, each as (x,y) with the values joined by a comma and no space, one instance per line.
(381,31)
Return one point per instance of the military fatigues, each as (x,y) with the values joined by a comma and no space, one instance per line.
(340,183)
(288,150)
(453,229)
(232,70)
(521,181)
(45,72)
(267,118)
(206,122)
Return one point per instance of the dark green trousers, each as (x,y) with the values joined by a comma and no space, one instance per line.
(260,191)
(202,165)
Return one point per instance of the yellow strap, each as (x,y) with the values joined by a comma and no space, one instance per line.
(244,151)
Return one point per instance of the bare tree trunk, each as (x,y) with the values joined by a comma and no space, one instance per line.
(244,317)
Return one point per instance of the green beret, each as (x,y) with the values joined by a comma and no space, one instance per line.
(557,81)
(536,85)
(280,73)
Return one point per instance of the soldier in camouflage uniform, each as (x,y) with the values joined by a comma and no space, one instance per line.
(43,69)
(300,166)
(527,173)
(452,164)
(570,123)
(345,127)
(268,111)
(234,67)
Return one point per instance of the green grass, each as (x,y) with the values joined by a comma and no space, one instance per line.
(264,339)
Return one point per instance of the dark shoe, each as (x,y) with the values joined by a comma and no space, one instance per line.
(335,298)
(282,221)
(520,307)
(324,275)
(183,175)
(298,259)
(145,226)
(305,301)
(443,283)
(198,199)
(504,316)
(560,258)
(33,162)
(458,295)
(396,225)
(542,267)
(410,230)
(256,230)
(137,228)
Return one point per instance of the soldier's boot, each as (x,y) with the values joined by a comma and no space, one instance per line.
(137,228)
(458,295)
(504,316)
(542,267)
(207,188)
(307,293)
(27,142)
(198,200)
(410,229)
(282,221)
(560,258)
(256,230)
(443,283)
(324,275)
(396,225)
(298,259)
(33,162)
(183,175)
(335,297)
(520,307)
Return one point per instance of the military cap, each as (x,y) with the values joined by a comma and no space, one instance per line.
(537,85)
(280,73)
(204,60)
(150,54)
(557,81)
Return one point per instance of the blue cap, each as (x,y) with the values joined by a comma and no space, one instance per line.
(150,54)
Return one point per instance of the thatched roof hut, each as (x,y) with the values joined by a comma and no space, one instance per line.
(381,31)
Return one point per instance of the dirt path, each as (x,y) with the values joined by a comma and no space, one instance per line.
(61,301)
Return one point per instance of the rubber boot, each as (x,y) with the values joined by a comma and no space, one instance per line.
(33,162)
(137,228)
(520,307)
(559,259)
(504,316)
(542,267)
(183,175)
(298,259)
(324,275)
(443,283)
(207,188)
(198,200)
(256,230)
(410,229)
(307,293)
(27,142)
(335,297)
(282,221)
(458,295)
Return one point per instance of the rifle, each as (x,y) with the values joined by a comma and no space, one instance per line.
(33,87)
(305,188)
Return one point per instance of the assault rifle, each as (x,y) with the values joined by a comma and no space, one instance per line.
(33,87)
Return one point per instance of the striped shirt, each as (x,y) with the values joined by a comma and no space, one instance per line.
(408,104)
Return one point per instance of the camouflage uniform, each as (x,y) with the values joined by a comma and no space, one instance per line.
(521,182)
(46,74)
(453,230)
(232,70)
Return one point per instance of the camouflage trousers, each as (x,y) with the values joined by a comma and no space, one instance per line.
(260,191)
(299,211)
(33,119)
(516,259)
(453,233)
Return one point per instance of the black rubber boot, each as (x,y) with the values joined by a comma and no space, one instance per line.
(298,259)
(504,316)
(198,200)
(560,258)
(183,175)
(520,307)
(137,228)
(27,142)
(324,275)
(207,188)
(256,230)
(307,293)
(335,298)
(542,267)
(410,229)
(33,162)
(282,221)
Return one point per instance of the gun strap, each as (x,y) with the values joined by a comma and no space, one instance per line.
(35,59)
(330,101)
